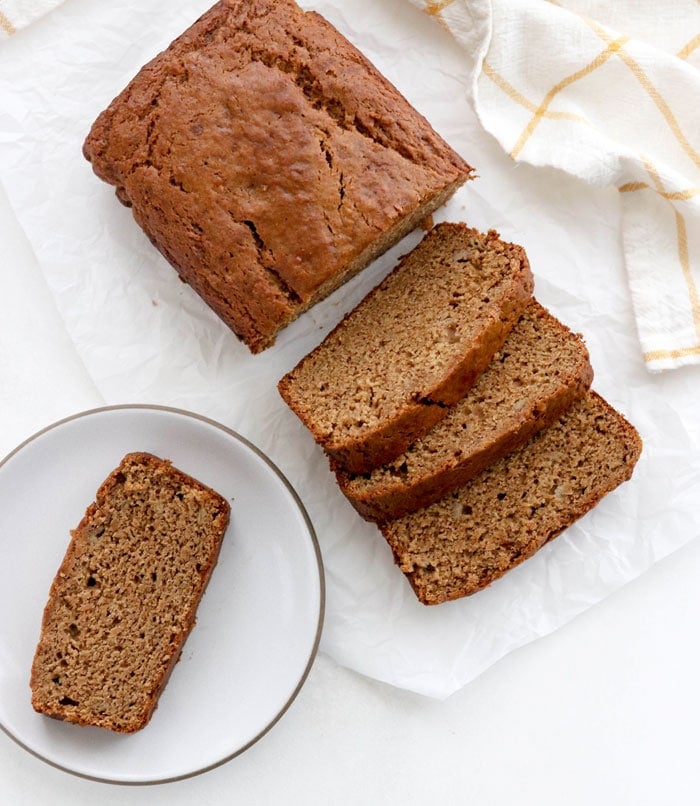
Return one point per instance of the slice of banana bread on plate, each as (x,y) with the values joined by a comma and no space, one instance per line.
(126,594)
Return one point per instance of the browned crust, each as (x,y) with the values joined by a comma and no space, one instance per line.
(258,289)
(389,501)
(177,641)
(375,446)
(537,539)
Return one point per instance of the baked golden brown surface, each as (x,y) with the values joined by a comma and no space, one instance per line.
(268,161)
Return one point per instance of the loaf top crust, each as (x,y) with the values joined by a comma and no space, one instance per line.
(126,594)
(262,154)
(472,536)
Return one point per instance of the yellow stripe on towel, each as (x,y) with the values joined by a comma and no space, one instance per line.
(6,25)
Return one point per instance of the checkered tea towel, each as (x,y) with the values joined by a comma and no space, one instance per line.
(609,92)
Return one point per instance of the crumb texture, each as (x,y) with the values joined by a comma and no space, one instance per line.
(412,347)
(125,596)
(474,535)
(540,370)
(268,160)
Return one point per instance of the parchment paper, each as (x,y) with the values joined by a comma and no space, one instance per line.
(145,337)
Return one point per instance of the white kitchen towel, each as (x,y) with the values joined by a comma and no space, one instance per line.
(610,93)
(16,14)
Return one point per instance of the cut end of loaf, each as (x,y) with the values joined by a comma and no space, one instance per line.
(126,594)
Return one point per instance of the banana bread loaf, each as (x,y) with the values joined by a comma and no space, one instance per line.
(414,345)
(540,370)
(268,161)
(125,597)
(472,536)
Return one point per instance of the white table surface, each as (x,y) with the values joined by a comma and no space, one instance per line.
(603,711)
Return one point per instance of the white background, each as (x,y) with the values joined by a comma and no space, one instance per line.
(602,711)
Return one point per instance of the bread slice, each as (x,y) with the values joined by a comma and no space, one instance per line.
(412,347)
(268,161)
(469,538)
(540,370)
(125,596)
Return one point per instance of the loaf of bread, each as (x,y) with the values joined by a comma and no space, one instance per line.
(411,348)
(269,161)
(502,516)
(125,596)
(537,374)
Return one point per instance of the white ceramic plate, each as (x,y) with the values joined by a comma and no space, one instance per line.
(258,625)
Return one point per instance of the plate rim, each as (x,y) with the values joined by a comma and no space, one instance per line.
(319,565)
